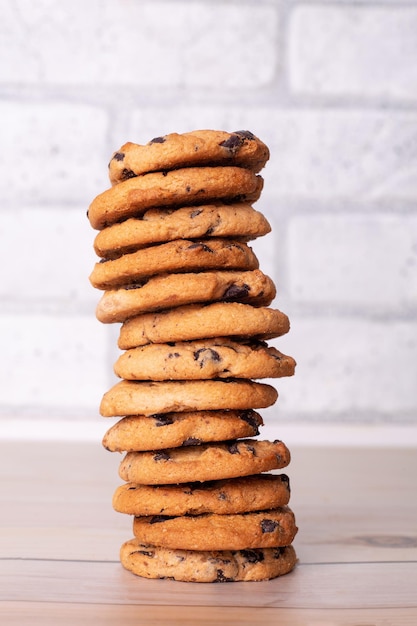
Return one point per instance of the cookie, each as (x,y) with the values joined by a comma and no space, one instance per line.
(200,321)
(129,397)
(237,221)
(171,290)
(181,255)
(194,185)
(209,531)
(171,430)
(204,359)
(223,497)
(196,148)
(210,461)
(207,566)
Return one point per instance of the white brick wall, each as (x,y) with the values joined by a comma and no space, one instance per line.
(331,87)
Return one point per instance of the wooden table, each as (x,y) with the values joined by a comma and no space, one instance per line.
(357,545)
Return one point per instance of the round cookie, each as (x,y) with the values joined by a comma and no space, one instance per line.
(223,497)
(182,255)
(171,430)
(171,290)
(203,359)
(237,221)
(129,397)
(207,566)
(210,461)
(193,185)
(209,531)
(200,321)
(196,148)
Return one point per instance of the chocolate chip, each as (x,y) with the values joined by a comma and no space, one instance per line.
(246,134)
(158,140)
(156,519)
(233,143)
(126,174)
(118,156)
(233,448)
(188,189)
(235,292)
(278,552)
(208,354)
(253,556)
(222,496)
(196,212)
(191,441)
(145,553)
(200,244)
(163,420)
(268,525)
(250,417)
(174,355)
(161,456)
(221,578)
(251,449)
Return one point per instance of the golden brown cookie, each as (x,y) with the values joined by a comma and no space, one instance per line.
(171,290)
(209,531)
(196,148)
(207,566)
(204,359)
(130,397)
(211,461)
(193,185)
(237,221)
(223,497)
(181,255)
(171,430)
(200,321)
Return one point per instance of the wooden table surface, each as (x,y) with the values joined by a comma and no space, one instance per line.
(357,545)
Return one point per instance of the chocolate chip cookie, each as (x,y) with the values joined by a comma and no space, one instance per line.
(199,321)
(223,497)
(181,255)
(196,148)
(170,430)
(236,221)
(211,461)
(193,185)
(207,566)
(167,291)
(130,397)
(204,359)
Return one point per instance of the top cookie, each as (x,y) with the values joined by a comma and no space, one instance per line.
(196,148)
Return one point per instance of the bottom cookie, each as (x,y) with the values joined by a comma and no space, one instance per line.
(206,566)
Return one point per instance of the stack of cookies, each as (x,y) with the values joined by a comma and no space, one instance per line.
(179,276)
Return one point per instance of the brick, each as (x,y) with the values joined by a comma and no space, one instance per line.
(354,50)
(48,254)
(323,155)
(354,261)
(140,43)
(52,152)
(56,363)
(349,369)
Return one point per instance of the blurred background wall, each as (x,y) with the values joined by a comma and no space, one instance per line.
(331,87)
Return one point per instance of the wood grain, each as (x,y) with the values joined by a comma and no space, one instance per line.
(59,542)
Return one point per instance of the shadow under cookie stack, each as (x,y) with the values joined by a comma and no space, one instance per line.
(178,275)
